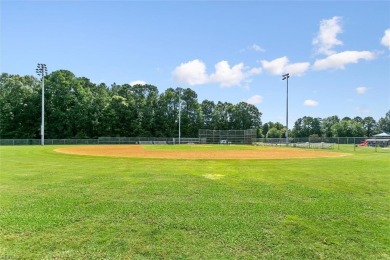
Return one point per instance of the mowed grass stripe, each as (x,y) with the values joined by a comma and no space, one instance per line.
(71,207)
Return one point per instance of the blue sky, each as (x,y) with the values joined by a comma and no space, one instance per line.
(337,52)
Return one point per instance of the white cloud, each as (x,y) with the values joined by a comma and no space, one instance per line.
(297,68)
(386,39)
(327,36)
(192,73)
(254,100)
(276,66)
(227,76)
(310,103)
(339,60)
(256,47)
(361,90)
(255,71)
(281,65)
(137,82)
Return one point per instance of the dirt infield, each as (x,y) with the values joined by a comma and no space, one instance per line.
(137,151)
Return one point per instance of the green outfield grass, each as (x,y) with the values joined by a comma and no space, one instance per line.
(59,206)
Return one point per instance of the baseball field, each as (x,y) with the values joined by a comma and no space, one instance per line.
(193,202)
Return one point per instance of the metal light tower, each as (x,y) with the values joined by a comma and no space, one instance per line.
(285,77)
(42,71)
(179,115)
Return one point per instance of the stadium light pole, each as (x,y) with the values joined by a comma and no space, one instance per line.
(179,115)
(285,77)
(42,71)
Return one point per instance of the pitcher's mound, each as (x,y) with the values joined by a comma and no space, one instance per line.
(138,151)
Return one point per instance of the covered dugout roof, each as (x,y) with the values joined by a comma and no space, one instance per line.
(382,135)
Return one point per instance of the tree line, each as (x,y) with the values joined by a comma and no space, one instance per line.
(75,107)
(331,126)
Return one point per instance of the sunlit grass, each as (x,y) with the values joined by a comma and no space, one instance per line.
(59,206)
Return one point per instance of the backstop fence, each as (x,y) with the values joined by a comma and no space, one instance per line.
(227,136)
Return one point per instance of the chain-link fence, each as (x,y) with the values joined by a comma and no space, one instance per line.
(335,140)
(147,140)
(47,141)
(343,143)
(228,137)
(102,140)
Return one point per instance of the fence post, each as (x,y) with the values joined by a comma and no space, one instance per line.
(376,145)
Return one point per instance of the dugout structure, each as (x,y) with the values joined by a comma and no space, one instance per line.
(207,136)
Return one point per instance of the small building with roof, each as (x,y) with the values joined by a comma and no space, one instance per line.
(382,139)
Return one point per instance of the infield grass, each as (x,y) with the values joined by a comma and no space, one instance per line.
(59,206)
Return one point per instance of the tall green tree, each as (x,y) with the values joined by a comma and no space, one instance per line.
(326,125)
(85,112)
(146,100)
(122,113)
(100,111)
(167,114)
(20,106)
(190,113)
(60,104)
(370,126)
(207,108)
(245,116)
(384,123)
(348,128)
(358,119)
(307,126)
(77,108)
(222,116)
(264,130)
(274,132)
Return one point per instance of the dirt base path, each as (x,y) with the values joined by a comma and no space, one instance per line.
(137,151)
